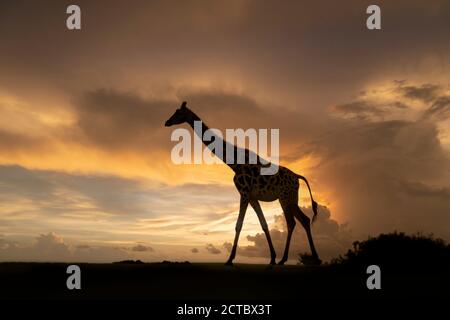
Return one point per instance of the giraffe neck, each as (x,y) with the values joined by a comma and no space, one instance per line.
(204,128)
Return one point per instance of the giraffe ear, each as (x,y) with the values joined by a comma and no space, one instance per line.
(183,105)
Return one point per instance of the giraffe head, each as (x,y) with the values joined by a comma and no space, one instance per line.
(181,115)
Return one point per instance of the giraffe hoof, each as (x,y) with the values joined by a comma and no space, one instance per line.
(272,262)
(281,262)
(229,263)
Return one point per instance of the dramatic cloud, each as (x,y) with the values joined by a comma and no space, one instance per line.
(83,205)
(289,50)
(84,151)
(372,166)
(425,92)
(116,120)
(51,247)
(58,192)
(383,174)
(439,108)
(141,248)
(331,238)
(212,249)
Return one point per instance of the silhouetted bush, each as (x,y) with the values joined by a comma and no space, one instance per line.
(399,252)
(307,259)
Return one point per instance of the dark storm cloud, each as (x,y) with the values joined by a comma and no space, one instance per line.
(300,47)
(223,110)
(412,146)
(352,107)
(364,110)
(358,109)
(440,108)
(113,119)
(117,120)
(426,92)
(385,175)
(431,94)
(420,190)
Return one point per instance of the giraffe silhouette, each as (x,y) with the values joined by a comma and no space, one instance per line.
(254,187)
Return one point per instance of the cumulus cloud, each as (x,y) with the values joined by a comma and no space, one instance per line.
(51,247)
(227,245)
(141,248)
(212,249)
(51,244)
(375,169)
(330,238)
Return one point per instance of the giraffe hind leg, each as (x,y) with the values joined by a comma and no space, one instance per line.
(305,222)
(290,221)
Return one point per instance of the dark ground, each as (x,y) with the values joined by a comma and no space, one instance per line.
(213,282)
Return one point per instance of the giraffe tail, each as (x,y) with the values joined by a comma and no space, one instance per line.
(314,205)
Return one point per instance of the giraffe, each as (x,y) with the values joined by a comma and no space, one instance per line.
(254,187)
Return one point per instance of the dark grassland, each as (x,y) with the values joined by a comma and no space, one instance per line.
(411,267)
(157,281)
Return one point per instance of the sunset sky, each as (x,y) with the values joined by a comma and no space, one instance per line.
(85,168)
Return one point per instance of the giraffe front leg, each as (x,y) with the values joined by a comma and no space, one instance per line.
(239,223)
(256,206)
(290,227)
